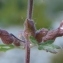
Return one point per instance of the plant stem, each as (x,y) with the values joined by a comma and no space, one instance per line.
(30,8)
(27,43)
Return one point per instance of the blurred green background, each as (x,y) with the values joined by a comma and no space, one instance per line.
(13,12)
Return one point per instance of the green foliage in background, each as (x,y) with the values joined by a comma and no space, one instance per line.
(13,12)
(40,18)
(58,58)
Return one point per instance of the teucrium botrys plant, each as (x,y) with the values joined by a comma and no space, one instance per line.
(42,38)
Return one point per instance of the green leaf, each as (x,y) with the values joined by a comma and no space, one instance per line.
(50,50)
(55,46)
(44,44)
(33,40)
(47,42)
(47,46)
(40,47)
(5,47)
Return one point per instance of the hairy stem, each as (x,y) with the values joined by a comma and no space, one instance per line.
(27,60)
(30,8)
(27,43)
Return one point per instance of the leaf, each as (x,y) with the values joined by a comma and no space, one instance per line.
(47,46)
(44,45)
(47,49)
(55,46)
(33,40)
(5,47)
(51,50)
(47,42)
(40,47)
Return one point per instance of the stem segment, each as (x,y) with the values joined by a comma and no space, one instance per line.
(27,42)
(30,8)
(27,60)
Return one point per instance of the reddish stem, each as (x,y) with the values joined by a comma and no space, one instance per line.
(27,60)
(27,44)
(30,8)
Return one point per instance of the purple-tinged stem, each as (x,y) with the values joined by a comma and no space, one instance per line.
(27,60)
(27,42)
(30,9)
